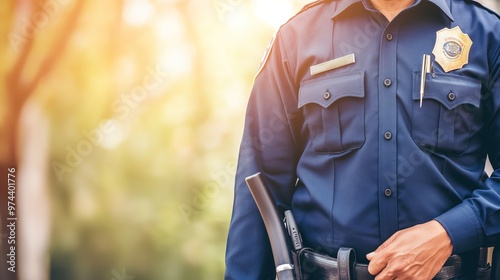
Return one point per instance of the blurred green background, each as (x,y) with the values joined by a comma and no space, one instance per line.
(129,115)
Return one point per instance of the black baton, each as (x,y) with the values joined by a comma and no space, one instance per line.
(273,221)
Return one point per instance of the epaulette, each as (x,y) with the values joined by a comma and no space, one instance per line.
(477,3)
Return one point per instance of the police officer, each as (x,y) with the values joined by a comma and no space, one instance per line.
(371,120)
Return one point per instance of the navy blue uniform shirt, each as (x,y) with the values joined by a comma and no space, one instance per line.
(351,152)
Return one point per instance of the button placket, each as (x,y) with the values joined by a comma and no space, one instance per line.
(388,206)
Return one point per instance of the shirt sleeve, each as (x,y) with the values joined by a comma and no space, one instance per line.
(268,146)
(476,221)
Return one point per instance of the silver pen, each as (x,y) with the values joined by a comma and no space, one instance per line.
(426,68)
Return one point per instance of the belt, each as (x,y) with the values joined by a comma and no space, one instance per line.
(314,265)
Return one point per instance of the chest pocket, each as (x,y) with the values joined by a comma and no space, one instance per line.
(450,113)
(334,111)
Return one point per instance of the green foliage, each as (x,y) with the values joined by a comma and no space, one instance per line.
(146,108)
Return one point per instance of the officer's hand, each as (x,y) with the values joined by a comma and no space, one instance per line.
(418,252)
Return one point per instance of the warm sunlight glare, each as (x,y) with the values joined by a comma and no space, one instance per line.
(274,13)
(137,12)
(177,61)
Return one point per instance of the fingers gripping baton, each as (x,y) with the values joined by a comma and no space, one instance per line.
(273,222)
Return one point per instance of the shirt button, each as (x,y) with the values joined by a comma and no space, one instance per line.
(452,96)
(387,82)
(388,36)
(388,192)
(388,135)
(327,95)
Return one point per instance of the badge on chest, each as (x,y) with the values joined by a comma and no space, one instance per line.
(452,48)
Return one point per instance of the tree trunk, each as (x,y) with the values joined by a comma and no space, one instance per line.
(10,161)
(18,90)
(33,195)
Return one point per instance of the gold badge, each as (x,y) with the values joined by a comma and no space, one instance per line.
(452,48)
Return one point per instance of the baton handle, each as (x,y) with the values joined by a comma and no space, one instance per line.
(273,221)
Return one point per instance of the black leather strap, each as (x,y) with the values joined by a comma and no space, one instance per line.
(346,258)
(314,265)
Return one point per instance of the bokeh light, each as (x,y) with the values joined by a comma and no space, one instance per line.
(132,113)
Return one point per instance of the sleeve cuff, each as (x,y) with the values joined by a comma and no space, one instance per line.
(463,227)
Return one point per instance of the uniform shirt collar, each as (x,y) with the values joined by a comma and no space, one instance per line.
(443,5)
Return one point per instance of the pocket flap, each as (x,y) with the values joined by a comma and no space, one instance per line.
(449,90)
(327,90)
